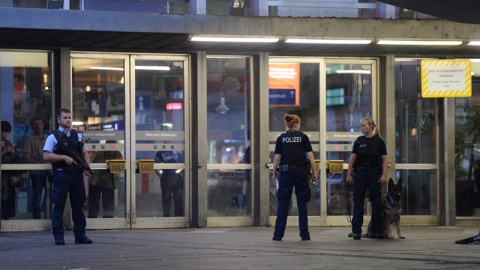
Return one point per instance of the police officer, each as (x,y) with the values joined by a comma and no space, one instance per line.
(370,165)
(293,155)
(66,178)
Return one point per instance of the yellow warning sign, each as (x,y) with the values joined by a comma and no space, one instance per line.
(446,78)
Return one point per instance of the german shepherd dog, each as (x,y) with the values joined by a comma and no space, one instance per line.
(391,210)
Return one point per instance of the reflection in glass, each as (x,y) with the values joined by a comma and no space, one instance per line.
(98,103)
(467,150)
(26,87)
(159,110)
(228,120)
(419,191)
(228,193)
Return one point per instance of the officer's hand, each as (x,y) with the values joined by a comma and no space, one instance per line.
(86,173)
(314,176)
(274,178)
(349,178)
(382,180)
(70,161)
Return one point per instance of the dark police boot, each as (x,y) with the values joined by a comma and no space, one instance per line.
(83,240)
(59,242)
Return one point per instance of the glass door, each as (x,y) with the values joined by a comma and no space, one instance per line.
(330,96)
(229,163)
(160,186)
(131,111)
(99,112)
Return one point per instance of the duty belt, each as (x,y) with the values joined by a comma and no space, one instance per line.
(289,168)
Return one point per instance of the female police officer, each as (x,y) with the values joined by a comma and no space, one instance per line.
(291,152)
(369,162)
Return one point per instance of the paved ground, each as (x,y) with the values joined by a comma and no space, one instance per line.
(241,248)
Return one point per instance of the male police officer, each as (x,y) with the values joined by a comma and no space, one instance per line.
(291,151)
(67,179)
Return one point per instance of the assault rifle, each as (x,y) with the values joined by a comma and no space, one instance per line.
(78,158)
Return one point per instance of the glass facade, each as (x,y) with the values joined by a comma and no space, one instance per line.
(416,139)
(228,135)
(467,149)
(98,107)
(26,104)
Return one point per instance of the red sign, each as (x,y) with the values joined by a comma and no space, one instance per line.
(174,106)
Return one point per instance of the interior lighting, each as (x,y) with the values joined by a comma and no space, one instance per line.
(107,68)
(235,39)
(474,43)
(420,42)
(165,68)
(329,41)
(354,71)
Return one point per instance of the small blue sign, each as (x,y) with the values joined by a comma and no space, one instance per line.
(282,97)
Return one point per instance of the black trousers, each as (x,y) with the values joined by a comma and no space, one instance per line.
(364,180)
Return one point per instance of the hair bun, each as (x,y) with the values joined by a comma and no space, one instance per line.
(288,117)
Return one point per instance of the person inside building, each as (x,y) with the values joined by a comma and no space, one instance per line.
(9,178)
(33,150)
(67,177)
(293,158)
(171,182)
(369,163)
(103,184)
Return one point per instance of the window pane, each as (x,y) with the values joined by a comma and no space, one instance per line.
(26,87)
(98,106)
(414,117)
(467,149)
(228,129)
(160,136)
(419,191)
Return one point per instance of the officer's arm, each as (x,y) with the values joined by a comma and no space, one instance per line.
(350,167)
(276,163)
(50,157)
(311,159)
(86,157)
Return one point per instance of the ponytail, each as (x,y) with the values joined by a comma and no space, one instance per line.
(371,123)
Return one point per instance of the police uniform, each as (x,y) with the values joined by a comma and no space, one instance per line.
(67,180)
(293,146)
(367,171)
(171,182)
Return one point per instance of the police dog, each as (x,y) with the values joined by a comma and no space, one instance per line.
(391,209)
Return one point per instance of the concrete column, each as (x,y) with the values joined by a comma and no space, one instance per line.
(386,108)
(447,162)
(261,174)
(199,140)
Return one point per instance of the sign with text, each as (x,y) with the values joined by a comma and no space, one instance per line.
(284,84)
(446,78)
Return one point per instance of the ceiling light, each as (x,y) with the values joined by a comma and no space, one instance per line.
(107,68)
(328,41)
(419,42)
(235,39)
(354,71)
(166,68)
(474,43)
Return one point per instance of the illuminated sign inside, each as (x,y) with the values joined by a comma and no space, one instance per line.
(284,84)
(174,106)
